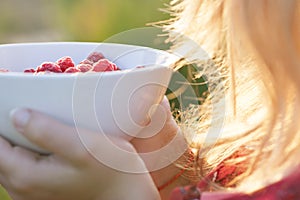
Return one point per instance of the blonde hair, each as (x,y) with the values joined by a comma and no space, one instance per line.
(255,50)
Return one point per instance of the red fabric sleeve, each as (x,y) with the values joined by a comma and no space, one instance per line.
(286,189)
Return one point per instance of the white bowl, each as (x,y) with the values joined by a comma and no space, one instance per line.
(115,102)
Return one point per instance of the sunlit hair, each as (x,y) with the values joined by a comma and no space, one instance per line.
(254,46)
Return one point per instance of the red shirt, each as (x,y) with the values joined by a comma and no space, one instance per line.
(286,189)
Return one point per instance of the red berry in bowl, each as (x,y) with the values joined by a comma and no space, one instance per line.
(49,66)
(84,67)
(65,63)
(72,70)
(31,70)
(4,70)
(95,56)
(86,61)
(104,65)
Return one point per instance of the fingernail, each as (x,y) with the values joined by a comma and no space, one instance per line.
(20,118)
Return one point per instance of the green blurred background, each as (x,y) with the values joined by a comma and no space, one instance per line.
(73,20)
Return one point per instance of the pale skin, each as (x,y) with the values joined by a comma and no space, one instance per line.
(71,172)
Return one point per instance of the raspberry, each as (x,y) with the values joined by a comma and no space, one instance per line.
(72,70)
(65,63)
(95,57)
(86,61)
(84,67)
(115,67)
(31,70)
(4,70)
(49,66)
(104,65)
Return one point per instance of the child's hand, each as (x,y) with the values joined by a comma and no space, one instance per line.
(164,145)
(75,169)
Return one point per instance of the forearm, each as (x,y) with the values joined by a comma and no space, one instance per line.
(172,176)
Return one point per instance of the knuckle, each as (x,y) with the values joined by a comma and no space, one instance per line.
(37,131)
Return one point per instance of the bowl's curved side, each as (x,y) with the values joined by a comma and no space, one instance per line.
(110,103)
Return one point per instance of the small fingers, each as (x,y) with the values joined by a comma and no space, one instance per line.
(14,158)
(5,156)
(48,133)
